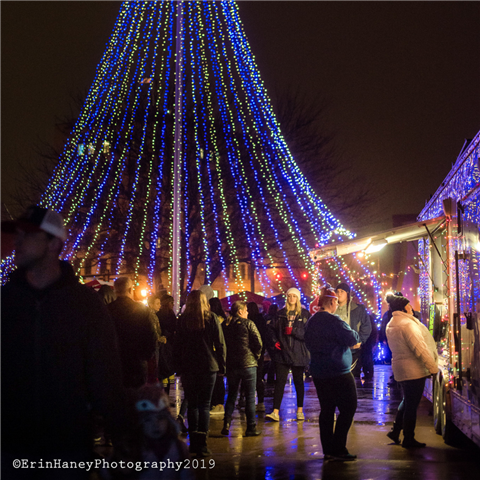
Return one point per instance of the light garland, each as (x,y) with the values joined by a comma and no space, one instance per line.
(461,185)
(252,201)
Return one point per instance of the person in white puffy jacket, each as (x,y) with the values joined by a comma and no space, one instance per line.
(414,358)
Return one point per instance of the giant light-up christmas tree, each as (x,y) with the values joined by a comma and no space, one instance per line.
(176,169)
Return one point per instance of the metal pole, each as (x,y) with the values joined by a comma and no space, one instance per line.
(177,167)
(252,276)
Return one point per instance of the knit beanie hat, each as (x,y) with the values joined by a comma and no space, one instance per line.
(343,286)
(391,295)
(207,290)
(397,303)
(294,291)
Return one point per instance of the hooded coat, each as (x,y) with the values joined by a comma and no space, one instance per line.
(357,317)
(411,357)
(293,349)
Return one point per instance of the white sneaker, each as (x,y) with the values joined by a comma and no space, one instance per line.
(273,416)
(217,410)
(300,416)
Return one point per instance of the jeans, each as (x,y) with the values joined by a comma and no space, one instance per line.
(406,418)
(335,392)
(198,390)
(248,377)
(260,382)
(282,374)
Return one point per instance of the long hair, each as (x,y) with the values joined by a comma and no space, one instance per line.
(253,310)
(196,311)
(236,307)
(298,306)
(216,307)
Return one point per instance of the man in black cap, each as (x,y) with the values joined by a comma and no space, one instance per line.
(59,356)
(356,316)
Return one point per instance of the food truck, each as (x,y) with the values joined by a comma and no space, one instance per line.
(450,296)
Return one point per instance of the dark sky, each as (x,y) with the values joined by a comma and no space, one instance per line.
(402,79)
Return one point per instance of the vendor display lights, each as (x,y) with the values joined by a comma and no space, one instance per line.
(461,183)
(244,197)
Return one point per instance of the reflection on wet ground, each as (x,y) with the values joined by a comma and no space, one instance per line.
(290,449)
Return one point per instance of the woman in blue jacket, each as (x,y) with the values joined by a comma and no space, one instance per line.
(329,340)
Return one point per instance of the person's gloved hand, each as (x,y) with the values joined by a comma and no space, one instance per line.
(277,346)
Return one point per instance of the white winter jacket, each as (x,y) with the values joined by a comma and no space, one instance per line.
(412,358)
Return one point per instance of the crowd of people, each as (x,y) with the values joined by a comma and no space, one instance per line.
(81,367)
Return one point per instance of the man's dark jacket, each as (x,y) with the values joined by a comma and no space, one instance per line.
(244,343)
(360,321)
(293,349)
(59,360)
(168,323)
(137,338)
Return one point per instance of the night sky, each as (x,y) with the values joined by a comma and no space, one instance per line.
(402,80)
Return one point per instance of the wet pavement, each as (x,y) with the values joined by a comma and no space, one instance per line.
(292,450)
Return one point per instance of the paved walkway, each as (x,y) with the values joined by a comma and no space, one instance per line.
(292,450)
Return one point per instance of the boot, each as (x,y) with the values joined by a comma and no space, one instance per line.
(412,444)
(252,431)
(193,447)
(202,449)
(226,427)
(409,435)
(394,433)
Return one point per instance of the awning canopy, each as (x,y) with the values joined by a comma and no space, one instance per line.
(373,243)
(227,302)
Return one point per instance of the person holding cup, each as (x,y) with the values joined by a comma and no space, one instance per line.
(286,337)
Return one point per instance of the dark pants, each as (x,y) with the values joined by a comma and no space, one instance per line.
(406,418)
(367,360)
(218,396)
(260,382)
(183,407)
(198,390)
(248,377)
(271,372)
(282,374)
(336,392)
